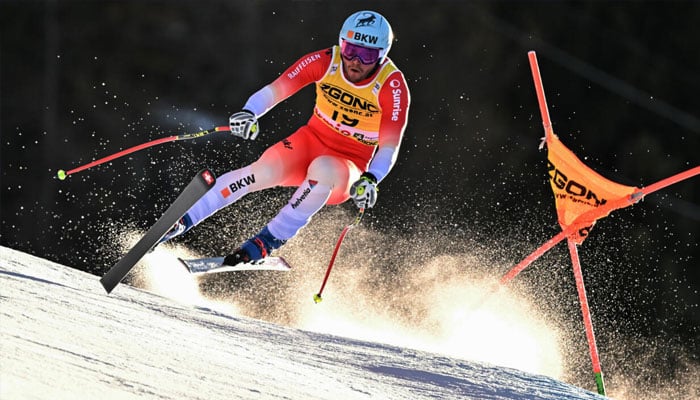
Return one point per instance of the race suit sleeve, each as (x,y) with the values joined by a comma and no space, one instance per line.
(308,69)
(394,100)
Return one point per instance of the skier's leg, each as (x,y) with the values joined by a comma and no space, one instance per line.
(325,174)
(230,187)
(279,165)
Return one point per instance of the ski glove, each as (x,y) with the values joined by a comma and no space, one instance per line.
(244,124)
(364,191)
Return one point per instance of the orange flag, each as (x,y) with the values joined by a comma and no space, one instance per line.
(578,190)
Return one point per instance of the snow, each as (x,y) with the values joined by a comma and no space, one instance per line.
(63,337)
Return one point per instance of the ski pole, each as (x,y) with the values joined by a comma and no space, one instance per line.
(63,174)
(317,297)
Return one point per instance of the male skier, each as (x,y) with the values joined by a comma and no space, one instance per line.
(348,146)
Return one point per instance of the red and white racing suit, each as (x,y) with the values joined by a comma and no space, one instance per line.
(354,128)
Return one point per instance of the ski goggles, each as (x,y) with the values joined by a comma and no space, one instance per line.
(366,55)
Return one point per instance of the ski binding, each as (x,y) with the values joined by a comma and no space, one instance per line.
(215,264)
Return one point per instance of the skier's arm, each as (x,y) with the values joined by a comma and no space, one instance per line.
(394,100)
(308,69)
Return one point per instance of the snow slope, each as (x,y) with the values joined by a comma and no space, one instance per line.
(63,337)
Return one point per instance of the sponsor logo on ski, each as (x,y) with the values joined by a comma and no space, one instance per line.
(208,177)
(241,183)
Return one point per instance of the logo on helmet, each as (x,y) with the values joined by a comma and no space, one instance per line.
(368,20)
(369,29)
(363,37)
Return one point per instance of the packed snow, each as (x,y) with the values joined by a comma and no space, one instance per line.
(63,337)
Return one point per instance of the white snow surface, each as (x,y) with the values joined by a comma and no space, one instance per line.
(63,337)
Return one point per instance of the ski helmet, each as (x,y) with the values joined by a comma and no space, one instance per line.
(368,29)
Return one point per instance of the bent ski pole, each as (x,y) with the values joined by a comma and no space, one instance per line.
(317,297)
(63,174)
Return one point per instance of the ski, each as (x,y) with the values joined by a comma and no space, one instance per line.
(198,187)
(212,265)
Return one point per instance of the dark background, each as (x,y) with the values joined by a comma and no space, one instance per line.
(80,80)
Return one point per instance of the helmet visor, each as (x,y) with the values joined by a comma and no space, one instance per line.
(366,55)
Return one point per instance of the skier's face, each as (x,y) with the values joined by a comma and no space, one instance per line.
(358,61)
(355,71)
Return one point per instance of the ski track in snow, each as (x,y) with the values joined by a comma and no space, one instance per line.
(63,337)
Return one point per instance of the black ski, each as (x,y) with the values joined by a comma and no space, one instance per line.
(194,191)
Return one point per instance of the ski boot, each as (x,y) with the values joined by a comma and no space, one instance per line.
(181,226)
(255,248)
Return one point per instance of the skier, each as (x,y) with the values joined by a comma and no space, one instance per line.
(348,146)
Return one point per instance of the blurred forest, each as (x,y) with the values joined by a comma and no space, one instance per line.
(80,80)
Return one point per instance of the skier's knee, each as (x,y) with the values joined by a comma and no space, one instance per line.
(328,170)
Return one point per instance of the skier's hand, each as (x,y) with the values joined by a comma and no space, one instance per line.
(364,191)
(244,124)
